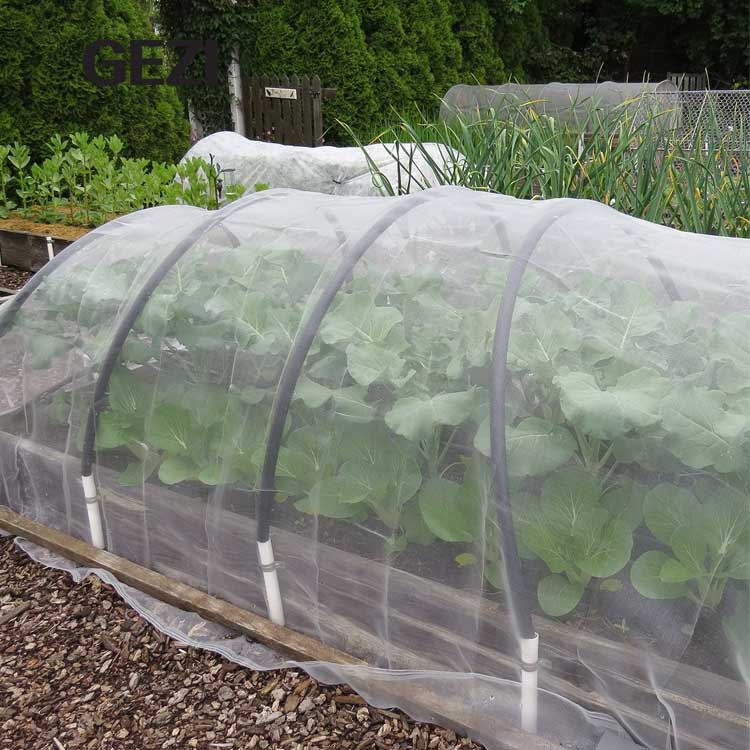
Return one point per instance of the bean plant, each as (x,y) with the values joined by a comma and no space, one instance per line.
(86,180)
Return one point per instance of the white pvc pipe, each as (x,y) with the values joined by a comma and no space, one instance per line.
(96,528)
(529,681)
(271,582)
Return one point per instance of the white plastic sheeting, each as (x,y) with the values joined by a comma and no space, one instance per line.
(325,169)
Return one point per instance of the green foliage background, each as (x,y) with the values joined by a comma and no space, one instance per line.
(383,55)
(43,90)
(380,55)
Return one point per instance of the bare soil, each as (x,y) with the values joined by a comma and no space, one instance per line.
(79,669)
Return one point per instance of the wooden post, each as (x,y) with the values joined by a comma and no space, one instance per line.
(235,92)
(317,112)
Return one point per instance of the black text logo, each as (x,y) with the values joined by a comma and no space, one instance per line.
(105,62)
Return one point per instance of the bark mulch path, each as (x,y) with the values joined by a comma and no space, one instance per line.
(13,278)
(79,669)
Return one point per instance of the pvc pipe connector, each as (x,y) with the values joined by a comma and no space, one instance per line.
(529,683)
(96,527)
(271,582)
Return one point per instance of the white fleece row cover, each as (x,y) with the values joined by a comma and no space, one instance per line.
(326,169)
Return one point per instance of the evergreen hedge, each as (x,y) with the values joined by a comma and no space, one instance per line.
(380,55)
(43,89)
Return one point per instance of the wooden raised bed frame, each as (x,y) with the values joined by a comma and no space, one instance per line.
(437,626)
(28,251)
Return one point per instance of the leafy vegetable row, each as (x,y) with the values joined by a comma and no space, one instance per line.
(86,180)
(626,411)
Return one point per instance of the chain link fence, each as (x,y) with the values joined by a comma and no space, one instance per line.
(709,118)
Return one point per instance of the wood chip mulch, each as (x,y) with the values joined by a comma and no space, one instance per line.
(79,669)
(13,278)
(63,231)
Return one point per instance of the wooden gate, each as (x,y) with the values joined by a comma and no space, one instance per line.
(689,81)
(285,109)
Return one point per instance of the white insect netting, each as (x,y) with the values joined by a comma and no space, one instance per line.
(467,419)
(325,169)
(579,105)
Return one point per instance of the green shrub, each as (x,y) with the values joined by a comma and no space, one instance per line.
(43,90)
(379,55)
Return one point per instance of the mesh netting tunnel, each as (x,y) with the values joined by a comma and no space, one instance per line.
(499,450)
(580,106)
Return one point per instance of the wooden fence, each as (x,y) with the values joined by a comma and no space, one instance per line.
(285,109)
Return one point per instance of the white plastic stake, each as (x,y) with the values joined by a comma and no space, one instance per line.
(271,582)
(96,528)
(50,248)
(529,680)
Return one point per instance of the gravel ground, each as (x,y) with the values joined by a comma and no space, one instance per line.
(79,669)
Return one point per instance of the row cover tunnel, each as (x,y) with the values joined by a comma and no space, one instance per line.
(444,420)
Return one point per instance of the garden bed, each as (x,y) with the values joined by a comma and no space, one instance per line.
(336,597)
